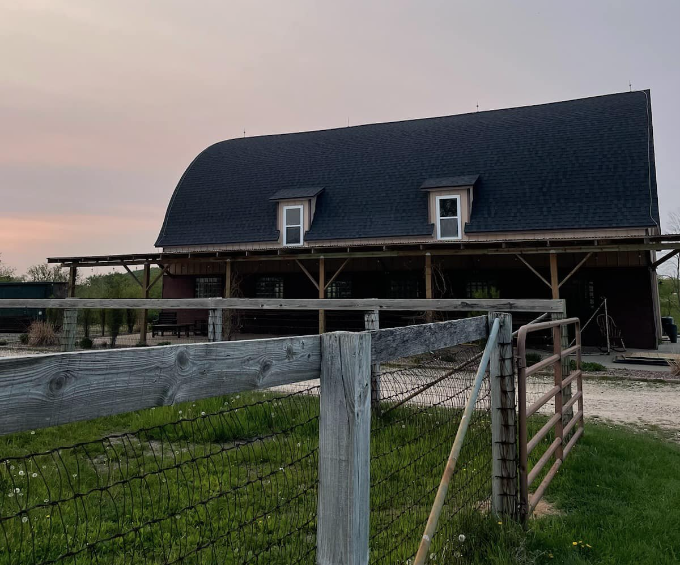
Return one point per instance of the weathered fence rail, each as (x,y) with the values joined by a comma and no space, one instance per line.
(47,390)
(416,304)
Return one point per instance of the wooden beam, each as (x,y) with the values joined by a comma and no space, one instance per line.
(145,312)
(227,280)
(554,277)
(336,274)
(133,276)
(38,391)
(322,293)
(309,276)
(72,277)
(428,284)
(534,271)
(576,268)
(664,259)
(395,343)
(539,305)
(164,270)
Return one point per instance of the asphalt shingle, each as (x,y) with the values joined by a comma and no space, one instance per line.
(576,164)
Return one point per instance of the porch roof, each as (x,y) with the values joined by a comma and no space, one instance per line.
(668,242)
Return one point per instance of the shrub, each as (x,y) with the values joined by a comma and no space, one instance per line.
(86,343)
(533,358)
(23,339)
(2,342)
(42,334)
(164,343)
(587,366)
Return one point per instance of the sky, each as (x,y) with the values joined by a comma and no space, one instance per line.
(104,104)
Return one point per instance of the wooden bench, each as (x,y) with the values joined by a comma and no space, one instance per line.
(167,321)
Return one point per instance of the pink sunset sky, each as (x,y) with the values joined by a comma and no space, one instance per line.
(104,103)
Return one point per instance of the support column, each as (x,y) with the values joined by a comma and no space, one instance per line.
(145,313)
(555,285)
(428,284)
(372,322)
(227,329)
(68,329)
(72,276)
(322,293)
(503,421)
(215,324)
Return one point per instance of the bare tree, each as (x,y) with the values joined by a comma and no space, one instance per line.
(45,273)
(671,268)
(7,273)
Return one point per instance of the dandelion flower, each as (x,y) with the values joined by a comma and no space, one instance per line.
(32,432)
(24,519)
(21,473)
(202,413)
(17,490)
(34,475)
(574,543)
(461,538)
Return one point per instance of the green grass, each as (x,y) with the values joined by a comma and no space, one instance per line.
(618,491)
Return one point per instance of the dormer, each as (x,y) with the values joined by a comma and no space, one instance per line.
(450,204)
(295,213)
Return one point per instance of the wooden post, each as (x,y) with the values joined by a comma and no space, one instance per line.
(554,280)
(344,449)
(227,330)
(503,421)
(72,276)
(322,294)
(68,329)
(555,285)
(428,284)
(215,324)
(145,313)
(372,322)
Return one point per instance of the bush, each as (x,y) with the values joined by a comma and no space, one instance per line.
(164,343)
(533,358)
(86,343)
(2,342)
(23,339)
(587,366)
(42,334)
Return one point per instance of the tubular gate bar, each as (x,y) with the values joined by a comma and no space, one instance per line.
(557,448)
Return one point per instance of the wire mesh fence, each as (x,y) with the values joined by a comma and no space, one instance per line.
(413,429)
(226,480)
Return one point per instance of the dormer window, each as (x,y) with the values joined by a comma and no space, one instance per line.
(293,225)
(448,217)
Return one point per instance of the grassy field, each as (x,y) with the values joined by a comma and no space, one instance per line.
(617,495)
(226,480)
(234,480)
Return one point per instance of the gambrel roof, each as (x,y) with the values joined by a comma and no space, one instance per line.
(585,163)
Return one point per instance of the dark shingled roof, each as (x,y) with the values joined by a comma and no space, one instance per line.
(450,182)
(585,163)
(302,192)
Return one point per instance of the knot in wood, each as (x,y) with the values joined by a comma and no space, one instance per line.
(182,360)
(59,382)
(265,367)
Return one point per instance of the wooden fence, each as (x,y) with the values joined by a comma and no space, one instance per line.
(47,390)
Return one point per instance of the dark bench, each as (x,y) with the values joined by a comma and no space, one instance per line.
(167,322)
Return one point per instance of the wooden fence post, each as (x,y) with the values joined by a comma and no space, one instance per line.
(68,329)
(372,322)
(566,393)
(344,449)
(215,324)
(503,421)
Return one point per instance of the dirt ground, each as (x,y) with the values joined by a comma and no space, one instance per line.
(627,401)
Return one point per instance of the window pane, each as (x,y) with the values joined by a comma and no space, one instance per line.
(208,287)
(339,289)
(448,227)
(448,207)
(293,216)
(293,236)
(269,287)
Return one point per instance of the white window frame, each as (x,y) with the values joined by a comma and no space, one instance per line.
(301,225)
(440,218)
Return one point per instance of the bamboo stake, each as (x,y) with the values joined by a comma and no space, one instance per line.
(438,505)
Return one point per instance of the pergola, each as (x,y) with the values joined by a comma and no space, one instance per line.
(522,249)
